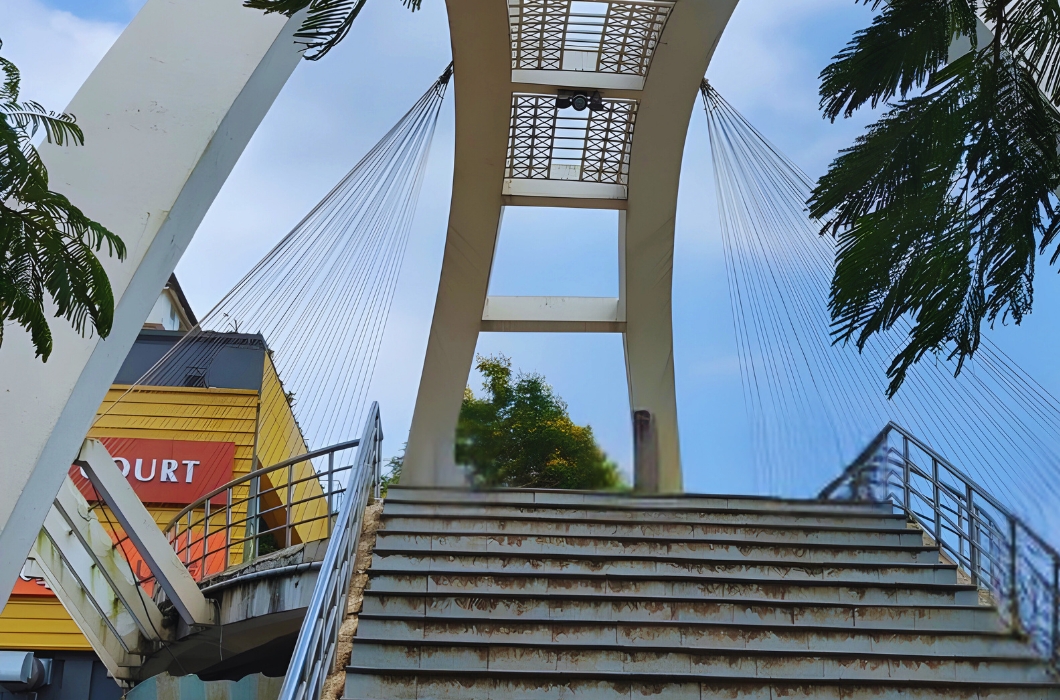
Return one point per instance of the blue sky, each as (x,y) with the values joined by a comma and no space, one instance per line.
(332,111)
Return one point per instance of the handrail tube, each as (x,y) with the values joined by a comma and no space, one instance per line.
(315,648)
(264,470)
(997,548)
(882,436)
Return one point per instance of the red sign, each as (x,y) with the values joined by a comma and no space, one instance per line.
(170,472)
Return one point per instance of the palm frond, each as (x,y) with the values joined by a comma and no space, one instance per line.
(942,206)
(59,128)
(906,42)
(326,24)
(12,78)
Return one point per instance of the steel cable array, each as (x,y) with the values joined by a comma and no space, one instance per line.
(318,302)
(813,406)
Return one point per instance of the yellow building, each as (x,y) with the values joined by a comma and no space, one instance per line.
(183,433)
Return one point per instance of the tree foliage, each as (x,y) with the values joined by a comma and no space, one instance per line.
(520,435)
(47,245)
(942,206)
(327,22)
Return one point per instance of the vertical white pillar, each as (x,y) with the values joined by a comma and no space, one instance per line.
(482,89)
(669,96)
(166,115)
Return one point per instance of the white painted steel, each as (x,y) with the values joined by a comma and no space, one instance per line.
(166,114)
(482,186)
(553,314)
(81,604)
(76,530)
(140,526)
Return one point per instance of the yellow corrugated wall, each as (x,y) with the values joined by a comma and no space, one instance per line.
(39,622)
(178,413)
(281,438)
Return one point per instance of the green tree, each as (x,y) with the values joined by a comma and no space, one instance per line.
(942,206)
(47,246)
(519,435)
(326,24)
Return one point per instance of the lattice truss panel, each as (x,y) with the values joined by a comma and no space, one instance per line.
(586,35)
(547,143)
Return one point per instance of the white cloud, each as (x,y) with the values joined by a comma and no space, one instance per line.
(54,50)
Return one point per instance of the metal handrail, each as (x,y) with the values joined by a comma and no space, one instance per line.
(996,548)
(210,538)
(314,652)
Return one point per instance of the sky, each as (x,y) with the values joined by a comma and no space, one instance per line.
(332,111)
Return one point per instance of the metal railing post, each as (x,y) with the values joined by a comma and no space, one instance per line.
(973,535)
(228,528)
(253,508)
(287,510)
(906,476)
(205,538)
(1013,574)
(938,504)
(331,487)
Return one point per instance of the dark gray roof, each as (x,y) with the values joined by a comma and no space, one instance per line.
(206,358)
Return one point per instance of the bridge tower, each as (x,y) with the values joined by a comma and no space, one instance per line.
(575,104)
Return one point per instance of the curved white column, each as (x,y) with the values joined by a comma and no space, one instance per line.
(484,88)
(166,115)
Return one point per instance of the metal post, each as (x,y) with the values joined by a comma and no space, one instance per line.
(228,527)
(250,543)
(1056,611)
(973,535)
(938,504)
(205,537)
(287,524)
(187,542)
(331,488)
(1013,573)
(645,454)
(906,501)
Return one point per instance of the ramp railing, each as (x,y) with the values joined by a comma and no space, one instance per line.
(314,652)
(995,548)
(288,503)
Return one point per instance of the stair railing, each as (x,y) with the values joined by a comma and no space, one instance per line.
(995,548)
(314,652)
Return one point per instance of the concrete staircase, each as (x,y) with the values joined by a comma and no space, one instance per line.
(553,595)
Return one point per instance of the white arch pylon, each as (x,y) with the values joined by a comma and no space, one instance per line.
(490,80)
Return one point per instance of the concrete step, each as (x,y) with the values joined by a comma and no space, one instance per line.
(732,664)
(725,516)
(486,498)
(681,635)
(556,526)
(604,609)
(545,595)
(386,582)
(363,684)
(457,563)
(660,548)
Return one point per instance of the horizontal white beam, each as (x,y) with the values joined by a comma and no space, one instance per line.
(579,79)
(552,315)
(512,200)
(573,189)
(141,528)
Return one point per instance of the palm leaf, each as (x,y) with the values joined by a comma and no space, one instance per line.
(326,24)
(59,128)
